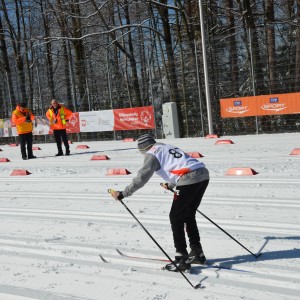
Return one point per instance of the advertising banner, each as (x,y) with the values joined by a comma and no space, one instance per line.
(134,118)
(91,121)
(73,125)
(264,105)
(41,126)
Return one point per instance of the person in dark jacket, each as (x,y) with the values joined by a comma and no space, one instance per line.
(190,178)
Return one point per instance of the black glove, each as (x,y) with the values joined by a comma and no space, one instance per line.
(28,118)
(165,185)
(67,120)
(120,197)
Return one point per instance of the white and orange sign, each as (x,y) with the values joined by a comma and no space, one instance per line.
(264,105)
(134,118)
(92,121)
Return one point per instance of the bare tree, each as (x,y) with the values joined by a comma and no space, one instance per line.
(5,63)
(15,33)
(297,68)
(271,48)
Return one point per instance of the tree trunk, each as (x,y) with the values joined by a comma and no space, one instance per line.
(27,60)
(246,10)
(67,75)
(48,52)
(174,92)
(233,60)
(132,61)
(271,49)
(79,53)
(297,69)
(5,61)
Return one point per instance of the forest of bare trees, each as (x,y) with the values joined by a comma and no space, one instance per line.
(97,55)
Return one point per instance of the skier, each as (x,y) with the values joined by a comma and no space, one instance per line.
(190,177)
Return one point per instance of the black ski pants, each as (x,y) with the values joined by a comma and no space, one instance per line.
(61,135)
(183,213)
(26,139)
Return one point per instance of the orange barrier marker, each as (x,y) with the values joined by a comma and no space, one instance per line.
(82,147)
(129,140)
(117,172)
(220,142)
(4,159)
(240,172)
(99,157)
(13,145)
(212,136)
(295,151)
(20,172)
(36,148)
(194,154)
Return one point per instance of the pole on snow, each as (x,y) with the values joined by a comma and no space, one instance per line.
(152,238)
(256,256)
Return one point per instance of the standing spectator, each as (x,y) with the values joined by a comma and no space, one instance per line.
(22,117)
(58,116)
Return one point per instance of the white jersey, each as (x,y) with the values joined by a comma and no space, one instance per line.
(174,162)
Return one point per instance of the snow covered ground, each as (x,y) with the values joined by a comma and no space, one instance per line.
(56,222)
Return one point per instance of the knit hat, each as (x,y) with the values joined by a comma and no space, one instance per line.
(145,142)
(22,104)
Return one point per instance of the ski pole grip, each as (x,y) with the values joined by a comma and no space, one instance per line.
(161,184)
(110,191)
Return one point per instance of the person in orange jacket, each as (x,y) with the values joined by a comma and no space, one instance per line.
(58,116)
(23,117)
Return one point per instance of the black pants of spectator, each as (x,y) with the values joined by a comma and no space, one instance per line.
(61,135)
(183,213)
(26,139)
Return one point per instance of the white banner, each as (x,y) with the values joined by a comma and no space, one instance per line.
(93,121)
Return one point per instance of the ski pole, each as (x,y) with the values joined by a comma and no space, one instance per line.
(163,251)
(256,256)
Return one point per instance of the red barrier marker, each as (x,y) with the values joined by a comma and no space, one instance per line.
(82,147)
(212,136)
(99,157)
(20,172)
(240,172)
(117,172)
(4,160)
(295,151)
(194,154)
(220,142)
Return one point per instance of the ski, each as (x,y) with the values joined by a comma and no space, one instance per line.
(103,259)
(158,259)
(141,257)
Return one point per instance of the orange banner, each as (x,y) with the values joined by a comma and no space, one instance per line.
(91,121)
(265,105)
(134,118)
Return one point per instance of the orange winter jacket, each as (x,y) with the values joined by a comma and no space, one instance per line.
(19,119)
(59,119)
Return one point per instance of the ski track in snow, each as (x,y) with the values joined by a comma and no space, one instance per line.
(56,222)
